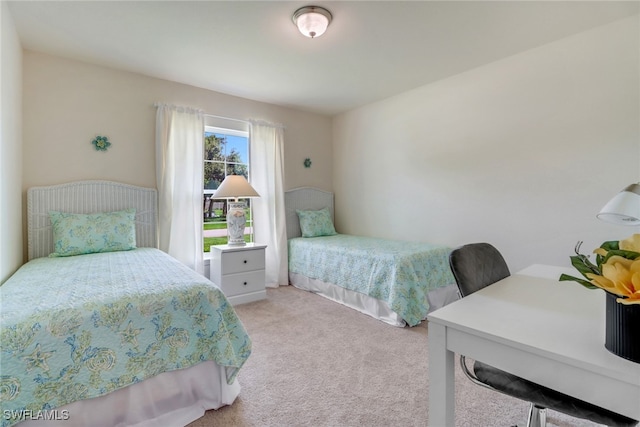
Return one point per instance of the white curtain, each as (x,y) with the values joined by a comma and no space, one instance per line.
(267,177)
(179,163)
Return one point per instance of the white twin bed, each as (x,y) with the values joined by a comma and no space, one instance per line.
(396,282)
(114,337)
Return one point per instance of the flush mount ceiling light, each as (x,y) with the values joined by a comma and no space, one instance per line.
(312,21)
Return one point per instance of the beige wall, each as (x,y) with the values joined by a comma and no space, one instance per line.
(521,153)
(10,146)
(67,103)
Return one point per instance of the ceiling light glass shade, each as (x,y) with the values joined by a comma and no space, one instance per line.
(624,208)
(235,186)
(312,21)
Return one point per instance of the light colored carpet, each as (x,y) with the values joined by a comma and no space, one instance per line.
(317,363)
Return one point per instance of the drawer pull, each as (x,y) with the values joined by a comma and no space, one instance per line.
(245,283)
(245,261)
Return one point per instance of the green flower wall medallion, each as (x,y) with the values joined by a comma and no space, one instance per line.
(101,143)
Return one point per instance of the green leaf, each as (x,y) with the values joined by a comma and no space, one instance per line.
(585,283)
(612,245)
(622,253)
(583,265)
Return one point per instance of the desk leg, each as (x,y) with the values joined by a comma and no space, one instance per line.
(441,378)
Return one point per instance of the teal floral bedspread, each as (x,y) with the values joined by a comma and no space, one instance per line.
(399,273)
(83,326)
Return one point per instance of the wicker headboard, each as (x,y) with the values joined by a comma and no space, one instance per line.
(304,198)
(88,197)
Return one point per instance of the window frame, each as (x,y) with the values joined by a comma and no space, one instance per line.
(224,131)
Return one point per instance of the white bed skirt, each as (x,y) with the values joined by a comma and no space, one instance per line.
(358,301)
(368,305)
(169,399)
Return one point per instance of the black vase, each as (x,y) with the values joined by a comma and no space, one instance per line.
(622,334)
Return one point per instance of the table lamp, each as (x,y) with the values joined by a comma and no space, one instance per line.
(233,187)
(624,208)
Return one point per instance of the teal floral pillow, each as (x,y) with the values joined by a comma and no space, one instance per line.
(316,223)
(77,234)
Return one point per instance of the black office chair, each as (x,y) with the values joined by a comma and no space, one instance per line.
(476,266)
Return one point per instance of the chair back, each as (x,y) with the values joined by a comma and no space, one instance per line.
(477,265)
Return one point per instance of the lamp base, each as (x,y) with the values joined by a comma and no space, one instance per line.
(236,223)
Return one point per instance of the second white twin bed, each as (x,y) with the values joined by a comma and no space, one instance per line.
(396,282)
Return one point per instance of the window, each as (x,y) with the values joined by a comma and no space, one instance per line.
(226,152)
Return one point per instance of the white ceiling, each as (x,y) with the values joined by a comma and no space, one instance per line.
(371,50)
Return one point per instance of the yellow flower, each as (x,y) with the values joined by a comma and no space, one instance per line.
(617,269)
(600,251)
(631,243)
(620,276)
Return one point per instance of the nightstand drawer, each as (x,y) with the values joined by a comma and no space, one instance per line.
(241,261)
(241,283)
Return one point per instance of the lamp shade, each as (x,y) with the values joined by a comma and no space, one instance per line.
(624,208)
(312,21)
(235,186)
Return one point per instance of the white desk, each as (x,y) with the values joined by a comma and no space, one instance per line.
(547,331)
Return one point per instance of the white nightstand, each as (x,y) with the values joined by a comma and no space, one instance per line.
(239,271)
